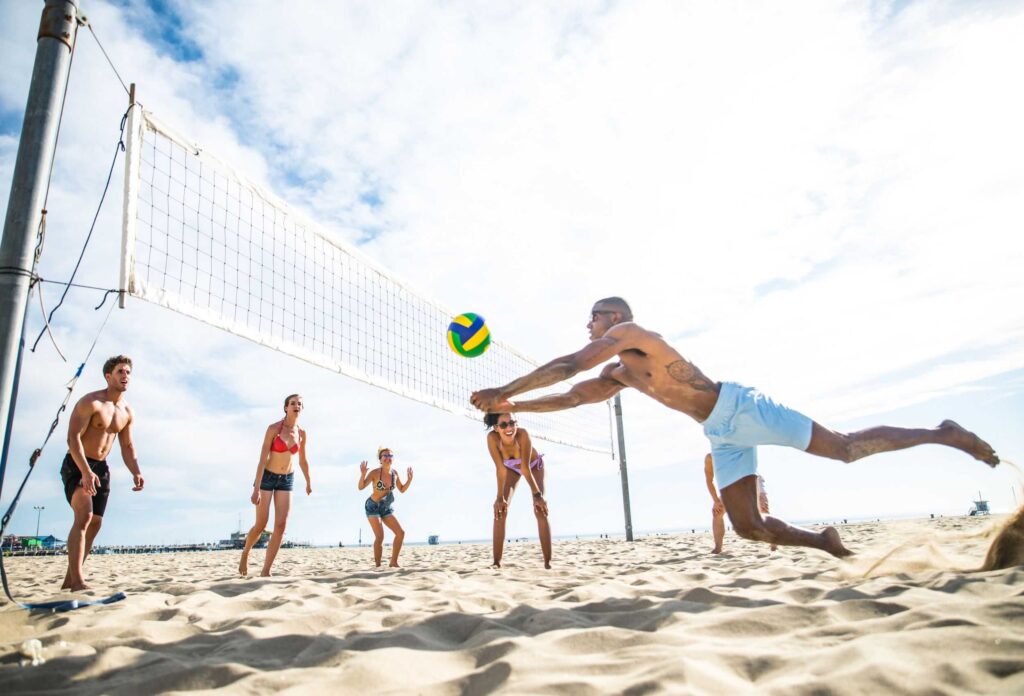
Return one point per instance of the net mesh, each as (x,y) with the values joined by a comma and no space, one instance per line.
(203,240)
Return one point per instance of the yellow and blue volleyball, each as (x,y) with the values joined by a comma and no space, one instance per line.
(468,335)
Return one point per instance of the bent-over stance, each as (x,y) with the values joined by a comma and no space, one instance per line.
(513,454)
(736,419)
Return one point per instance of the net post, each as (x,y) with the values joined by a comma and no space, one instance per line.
(58,28)
(622,468)
(132,145)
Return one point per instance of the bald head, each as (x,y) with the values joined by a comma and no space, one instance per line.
(616,304)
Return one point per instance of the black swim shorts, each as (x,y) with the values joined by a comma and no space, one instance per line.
(72,477)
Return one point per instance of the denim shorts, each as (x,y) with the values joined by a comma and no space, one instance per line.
(744,418)
(277,482)
(379,508)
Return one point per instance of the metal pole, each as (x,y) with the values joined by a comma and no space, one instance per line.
(622,468)
(39,513)
(57,30)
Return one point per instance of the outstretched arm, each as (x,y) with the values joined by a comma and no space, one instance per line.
(590,391)
(596,352)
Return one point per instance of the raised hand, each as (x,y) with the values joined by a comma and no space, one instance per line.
(363,467)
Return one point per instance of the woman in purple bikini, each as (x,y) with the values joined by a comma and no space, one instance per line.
(514,457)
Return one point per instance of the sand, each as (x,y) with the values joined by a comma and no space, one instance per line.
(657,615)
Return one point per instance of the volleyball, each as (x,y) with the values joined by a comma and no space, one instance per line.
(468,335)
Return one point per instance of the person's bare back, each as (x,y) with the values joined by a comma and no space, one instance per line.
(650,365)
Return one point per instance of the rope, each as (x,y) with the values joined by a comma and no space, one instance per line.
(47,324)
(117,150)
(60,605)
(84,20)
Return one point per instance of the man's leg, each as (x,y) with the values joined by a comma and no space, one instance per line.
(90,534)
(762,501)
(741,504)
(81,505)
(849,447)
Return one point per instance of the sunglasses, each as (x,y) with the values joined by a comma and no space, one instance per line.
(506,424)
(387,456)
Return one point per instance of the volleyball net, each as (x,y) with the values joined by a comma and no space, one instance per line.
(203,240)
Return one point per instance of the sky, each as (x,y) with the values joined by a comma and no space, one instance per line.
(822,200)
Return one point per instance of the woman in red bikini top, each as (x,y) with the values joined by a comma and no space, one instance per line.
(275,476)
(514,458)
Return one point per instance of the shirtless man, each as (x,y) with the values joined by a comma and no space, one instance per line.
(95,420)
(736,419)
(718,507)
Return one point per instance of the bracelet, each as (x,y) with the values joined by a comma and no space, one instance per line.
(538,494)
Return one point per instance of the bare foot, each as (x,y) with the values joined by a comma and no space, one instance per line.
(833,544)
(243,566)
(717,549)
(496,564)
(773,547)
(547,565)
(393,564)
(77,586)
(265,573)
(966,441)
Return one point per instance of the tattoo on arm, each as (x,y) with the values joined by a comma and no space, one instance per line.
(686,373)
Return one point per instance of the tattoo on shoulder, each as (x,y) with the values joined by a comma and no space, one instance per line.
(686,373)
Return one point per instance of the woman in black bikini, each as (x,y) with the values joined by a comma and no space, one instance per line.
(514,457)
(378,506)
(275,476)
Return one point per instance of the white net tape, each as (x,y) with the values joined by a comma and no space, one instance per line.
(201,239)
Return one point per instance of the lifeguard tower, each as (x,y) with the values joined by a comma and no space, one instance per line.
(980,507)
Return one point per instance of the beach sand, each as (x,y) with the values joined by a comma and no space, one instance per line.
(657,615)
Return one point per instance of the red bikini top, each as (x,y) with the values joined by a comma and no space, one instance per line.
(279,445)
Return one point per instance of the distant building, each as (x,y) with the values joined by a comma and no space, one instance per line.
(17,543)
(237,540)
